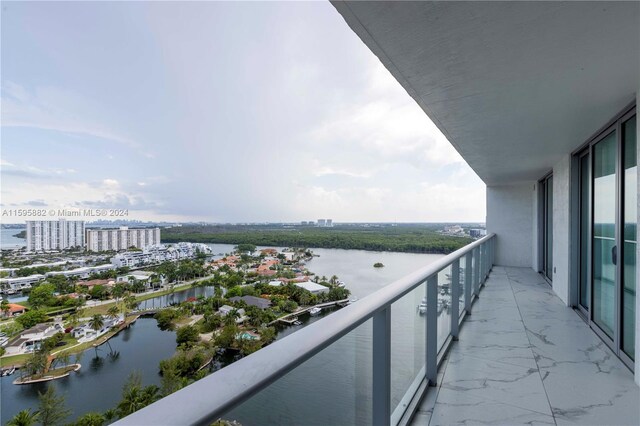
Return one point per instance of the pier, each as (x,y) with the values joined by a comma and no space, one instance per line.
(293,317)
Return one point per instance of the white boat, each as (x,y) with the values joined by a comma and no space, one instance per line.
(352,300)
(297,323)
(422,308)
(315,311)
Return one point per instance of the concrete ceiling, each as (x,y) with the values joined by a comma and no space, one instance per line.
(513,85)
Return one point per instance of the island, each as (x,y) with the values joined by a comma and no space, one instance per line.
(378,265)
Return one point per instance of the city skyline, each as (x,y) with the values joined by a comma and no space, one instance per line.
(222,112)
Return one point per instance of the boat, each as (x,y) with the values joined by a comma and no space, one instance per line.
(315,311)
(297,323)
(352,300)
(8,371)
(422,308)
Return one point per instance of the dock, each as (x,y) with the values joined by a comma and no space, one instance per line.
(293,317)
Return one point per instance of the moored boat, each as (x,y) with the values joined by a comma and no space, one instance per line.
(315,311)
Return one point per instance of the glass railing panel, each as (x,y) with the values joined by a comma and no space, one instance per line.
(331,388)
(462,271)
(408,340)
(444,305)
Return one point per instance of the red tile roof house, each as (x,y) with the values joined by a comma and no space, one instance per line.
(14,309)
(92,283)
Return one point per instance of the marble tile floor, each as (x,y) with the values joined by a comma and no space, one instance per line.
(523,357)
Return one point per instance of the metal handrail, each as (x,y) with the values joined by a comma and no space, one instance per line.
(210,398)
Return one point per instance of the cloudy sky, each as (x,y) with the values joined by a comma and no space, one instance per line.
(224,112)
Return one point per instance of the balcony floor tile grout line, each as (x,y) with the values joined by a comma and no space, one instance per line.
(531,348)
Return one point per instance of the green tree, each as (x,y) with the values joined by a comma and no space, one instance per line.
(165,318)
(187,335)
(91,419)
(135,397)
(52,408)
(31,318)
(24,418)
(42,295)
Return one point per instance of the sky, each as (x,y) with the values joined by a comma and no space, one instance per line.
(217,112)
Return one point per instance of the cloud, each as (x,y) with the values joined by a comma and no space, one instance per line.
(53,108)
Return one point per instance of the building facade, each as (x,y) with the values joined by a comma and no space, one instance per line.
(121,238)
(44,235)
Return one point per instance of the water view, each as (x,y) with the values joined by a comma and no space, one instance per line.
(98,385)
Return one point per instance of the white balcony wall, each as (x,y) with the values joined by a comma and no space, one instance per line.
(561,228)
(510,215)
(637,367)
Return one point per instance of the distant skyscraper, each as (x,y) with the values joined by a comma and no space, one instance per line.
(321,223)
(122,238)
(43,235)
(329,223)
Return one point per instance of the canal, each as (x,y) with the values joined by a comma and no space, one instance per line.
(339,375)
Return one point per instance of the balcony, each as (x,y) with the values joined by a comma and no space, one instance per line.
(508,352)
(524,357)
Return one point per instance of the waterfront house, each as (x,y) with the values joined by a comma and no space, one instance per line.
(14,285)
(276,283)
(14,310)
(258,302)
(29,340)
(314,288)
(92,283)
(224,310)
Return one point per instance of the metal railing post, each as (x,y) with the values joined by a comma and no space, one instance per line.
(493,251)
(476,272)
(484,247)
(455,298)
(381,391)
(468,273)
(432,330)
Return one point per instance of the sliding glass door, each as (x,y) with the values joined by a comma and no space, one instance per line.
(607,201)
(604,233)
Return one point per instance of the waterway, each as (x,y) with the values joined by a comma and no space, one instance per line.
(339,376)
(7,239)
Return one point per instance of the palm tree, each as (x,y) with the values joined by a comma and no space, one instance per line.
(230,318)
(91,419)
(24,418)
(113,311)
(4,306)
(110,415)
(96,322)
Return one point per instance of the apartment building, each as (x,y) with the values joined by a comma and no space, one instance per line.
(121,238)
(45,235)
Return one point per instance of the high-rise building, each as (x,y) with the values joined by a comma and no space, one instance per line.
(121,238)
(43,235)
(321,223)
(329,223)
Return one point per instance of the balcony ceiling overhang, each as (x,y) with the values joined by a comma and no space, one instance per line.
(512,85)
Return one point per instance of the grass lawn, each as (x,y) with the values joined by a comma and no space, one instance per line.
(8,361)
(102,309)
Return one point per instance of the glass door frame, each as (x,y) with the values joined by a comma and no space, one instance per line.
(611,342)
(584,310)
(543,185)
(614,125)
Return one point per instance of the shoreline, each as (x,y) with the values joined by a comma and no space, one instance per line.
(75,368)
